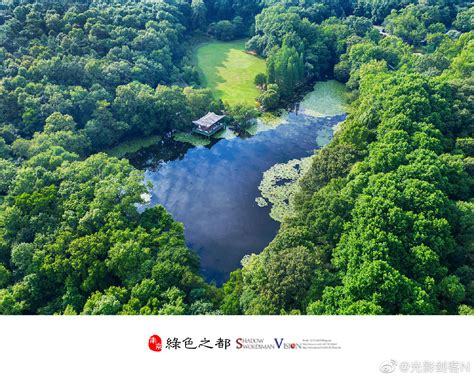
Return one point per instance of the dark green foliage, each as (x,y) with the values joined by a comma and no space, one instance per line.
(101,68)
(465,20)
(260,80)
(229,9)
(223,30)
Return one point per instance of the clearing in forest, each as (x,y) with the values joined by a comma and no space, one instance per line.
(228,71)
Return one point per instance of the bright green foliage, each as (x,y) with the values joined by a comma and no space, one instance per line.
(79,244)
(285,68)
(278,279)
(270,98)
(232,292)
(383,221)
(406,25)
(318,45)
(7,174)
(242,116)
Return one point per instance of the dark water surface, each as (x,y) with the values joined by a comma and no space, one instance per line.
(212,190)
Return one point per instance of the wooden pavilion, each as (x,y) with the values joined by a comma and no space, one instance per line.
(209,124)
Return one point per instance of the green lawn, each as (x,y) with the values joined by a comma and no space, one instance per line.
(228,71)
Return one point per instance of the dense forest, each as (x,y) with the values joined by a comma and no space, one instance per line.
(384,219)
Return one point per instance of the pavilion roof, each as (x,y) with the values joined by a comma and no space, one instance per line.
(208,120)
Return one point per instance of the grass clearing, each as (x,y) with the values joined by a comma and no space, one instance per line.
(228,71)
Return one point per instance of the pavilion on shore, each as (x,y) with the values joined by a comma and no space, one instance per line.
(209,124)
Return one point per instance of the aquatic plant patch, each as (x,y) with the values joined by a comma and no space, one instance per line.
(279,185)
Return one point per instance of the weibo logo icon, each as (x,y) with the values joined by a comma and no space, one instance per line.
(154,343)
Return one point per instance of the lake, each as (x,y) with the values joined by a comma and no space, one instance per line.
(212,189)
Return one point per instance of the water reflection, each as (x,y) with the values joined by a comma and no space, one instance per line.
(212,189)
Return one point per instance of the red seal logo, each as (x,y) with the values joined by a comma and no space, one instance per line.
(154,343)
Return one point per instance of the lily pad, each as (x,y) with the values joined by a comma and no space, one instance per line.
(329,98)
(193,139)
(279,185)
